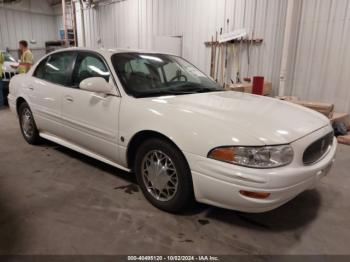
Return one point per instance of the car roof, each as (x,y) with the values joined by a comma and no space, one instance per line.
(107,52)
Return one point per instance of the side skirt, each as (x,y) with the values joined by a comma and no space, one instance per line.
(81,150)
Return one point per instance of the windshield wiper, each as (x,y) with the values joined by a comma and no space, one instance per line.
(182,91)
(200,89)
(165,93)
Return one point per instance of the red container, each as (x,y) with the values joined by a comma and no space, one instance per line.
(258,85)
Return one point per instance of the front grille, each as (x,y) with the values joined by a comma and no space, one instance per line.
(8,75)
(318,149)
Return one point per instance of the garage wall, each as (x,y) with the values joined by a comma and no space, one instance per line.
(28,20)
(319,69)
(134,23)
(57,11)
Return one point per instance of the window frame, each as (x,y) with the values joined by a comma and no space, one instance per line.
(104,59)
(70,71)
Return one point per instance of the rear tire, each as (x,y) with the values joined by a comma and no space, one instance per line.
(27,124)
(164,176)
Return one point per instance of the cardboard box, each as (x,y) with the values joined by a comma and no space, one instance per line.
(345,140)
(236,88)
(323,108)
(341,118)
(287,98)
(248,88)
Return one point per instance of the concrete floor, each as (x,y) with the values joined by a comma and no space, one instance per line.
(56,201)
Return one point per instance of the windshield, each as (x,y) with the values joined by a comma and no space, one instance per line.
(9,57)
(145,75)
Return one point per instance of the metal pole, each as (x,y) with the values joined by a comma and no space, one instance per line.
(74,24)
(291,20)
(82,23)
(64,22)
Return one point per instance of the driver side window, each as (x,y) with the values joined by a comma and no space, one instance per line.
(89,65)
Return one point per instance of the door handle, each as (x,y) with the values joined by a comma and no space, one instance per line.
(31,88)
(69,99)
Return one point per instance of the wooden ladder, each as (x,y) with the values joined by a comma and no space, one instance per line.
(69,23)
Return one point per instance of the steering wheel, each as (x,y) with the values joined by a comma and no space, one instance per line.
(178,77)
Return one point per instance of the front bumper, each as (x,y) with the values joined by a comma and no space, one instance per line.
(219,184)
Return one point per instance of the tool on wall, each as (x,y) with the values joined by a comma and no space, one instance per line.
(249,44)
(232,38)
(233,52)
(222,62)
(226,56)
(248,56)
(238,74)
(215,55)
(230,42)
(217,61)
(212,58)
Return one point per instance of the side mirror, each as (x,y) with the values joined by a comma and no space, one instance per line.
(96,85)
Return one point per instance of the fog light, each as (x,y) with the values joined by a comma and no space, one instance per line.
(256,195)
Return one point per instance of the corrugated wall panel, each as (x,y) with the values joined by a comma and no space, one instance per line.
(134,23)
(20,24)
(321,68)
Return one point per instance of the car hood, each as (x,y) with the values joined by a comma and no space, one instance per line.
(266,121)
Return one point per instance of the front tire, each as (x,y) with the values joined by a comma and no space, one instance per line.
(27,124)
(164,176)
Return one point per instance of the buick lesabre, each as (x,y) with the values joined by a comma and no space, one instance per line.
(183,136)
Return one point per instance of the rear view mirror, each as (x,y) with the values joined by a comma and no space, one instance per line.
(96,85)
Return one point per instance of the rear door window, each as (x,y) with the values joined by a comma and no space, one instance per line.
(58,68)
(40,69)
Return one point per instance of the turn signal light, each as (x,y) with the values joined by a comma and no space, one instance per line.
(223,154)
(256,195)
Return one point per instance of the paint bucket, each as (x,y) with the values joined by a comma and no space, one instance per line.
(258,85)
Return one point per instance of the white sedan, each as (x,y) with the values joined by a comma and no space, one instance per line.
(184,137)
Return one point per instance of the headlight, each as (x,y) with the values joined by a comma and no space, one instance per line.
(254,157)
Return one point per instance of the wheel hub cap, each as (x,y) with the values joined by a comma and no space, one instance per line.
(27,123)
(159,175)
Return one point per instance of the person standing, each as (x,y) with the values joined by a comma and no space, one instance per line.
(27,58)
